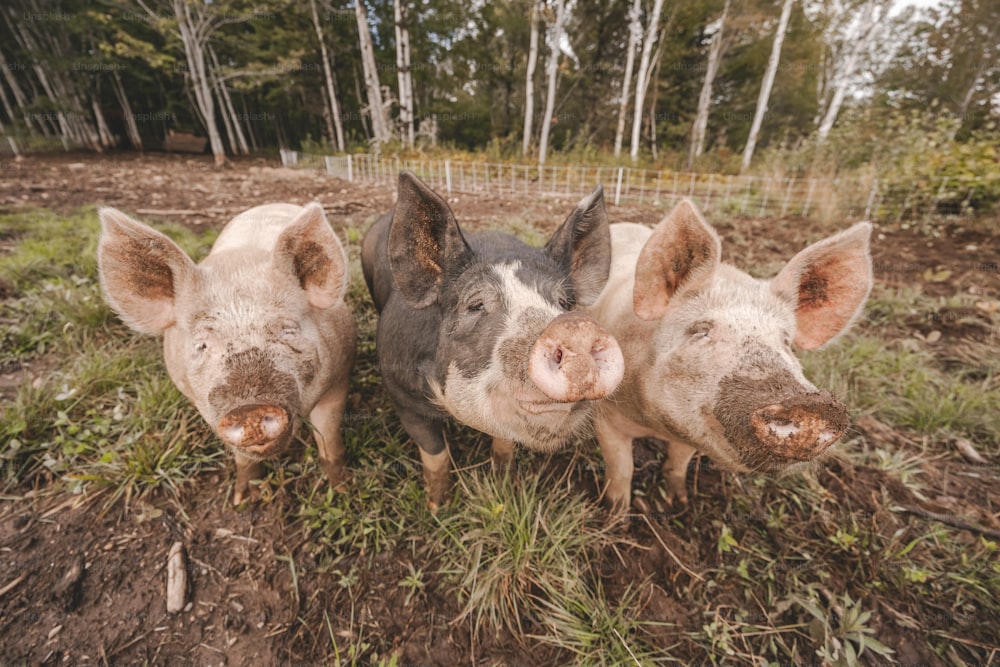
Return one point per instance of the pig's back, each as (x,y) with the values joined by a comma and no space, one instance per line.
(627,240)
(257,228)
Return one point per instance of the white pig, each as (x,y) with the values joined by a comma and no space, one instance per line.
(257,335)
(709,364)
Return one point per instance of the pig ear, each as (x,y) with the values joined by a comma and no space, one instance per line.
(582,245)
(829,281)
(682,249)
(141,271)
(424,238)
(312,252)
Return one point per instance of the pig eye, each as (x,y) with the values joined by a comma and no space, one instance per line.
(476,307)
(565,303)
(290,330)
(200,347)
(699,330)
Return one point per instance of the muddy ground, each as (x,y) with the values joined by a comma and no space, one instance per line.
(81,584)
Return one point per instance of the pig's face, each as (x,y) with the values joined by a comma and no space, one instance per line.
(245,353)
(242,334)
(512,359)
(720,372)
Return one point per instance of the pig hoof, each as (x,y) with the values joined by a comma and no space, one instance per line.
(250,493)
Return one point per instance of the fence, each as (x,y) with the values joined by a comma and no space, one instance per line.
(751,196)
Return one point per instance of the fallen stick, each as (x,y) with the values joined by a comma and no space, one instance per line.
(176,578)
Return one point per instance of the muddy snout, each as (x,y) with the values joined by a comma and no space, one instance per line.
(256,430)
(802,426)
(576,359)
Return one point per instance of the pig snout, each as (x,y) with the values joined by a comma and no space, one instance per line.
(801,427)
(258,430)
(575,359)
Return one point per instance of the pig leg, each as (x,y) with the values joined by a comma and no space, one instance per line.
(429,436)
(617,451)
(246,469)
(327,418)
(503,455)
(675,470)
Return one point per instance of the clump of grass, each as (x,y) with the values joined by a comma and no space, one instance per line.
(519,552)
(900,384)
(513,543)
(385,498)
(106,415)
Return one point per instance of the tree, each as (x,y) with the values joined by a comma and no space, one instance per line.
(643,76)
(376,108)
(529,85)
(868,26)
(401,12)
(556,34)
(331,89)
(765,88)
(634,37)
(715,51)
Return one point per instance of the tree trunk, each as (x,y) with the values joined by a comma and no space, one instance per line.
(868,30)
(643,76)
(103,132)
(15,90)
(194,52)
(376,108)
(634,37)
(237,138)
(338,125)
(403,71)
(361,105)
(131,126)
(529,85)
(552,71)
(705,98)
(765,88)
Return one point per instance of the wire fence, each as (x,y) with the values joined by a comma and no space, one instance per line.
(750,196)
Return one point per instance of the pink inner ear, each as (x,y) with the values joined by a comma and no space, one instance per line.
(831,281)
(681,248)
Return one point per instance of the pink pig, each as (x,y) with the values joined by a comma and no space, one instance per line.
(257,335)
(709,364)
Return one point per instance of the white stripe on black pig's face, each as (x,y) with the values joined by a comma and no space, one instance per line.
(514,359)
(720,372)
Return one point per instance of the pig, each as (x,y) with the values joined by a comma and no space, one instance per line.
(709,365)
(257,336)
(483,328)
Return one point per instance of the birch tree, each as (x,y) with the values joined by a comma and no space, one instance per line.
(767,84)
(715,51)
(381,132)
(642,84)
(861,37)
(131,126)
(529,85)
(634,37)
(237,140)
(331,93)
(552,71)
(400,11)
(195,26)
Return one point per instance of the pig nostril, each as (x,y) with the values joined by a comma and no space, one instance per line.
(233,434)
(783,428)
(557,356)
(272,426)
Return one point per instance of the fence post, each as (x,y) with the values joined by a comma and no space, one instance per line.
(618,187)
(788,193)
(871,198)
(708,197)
(809,196)
(447,175)
(350,169)
(13,145)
